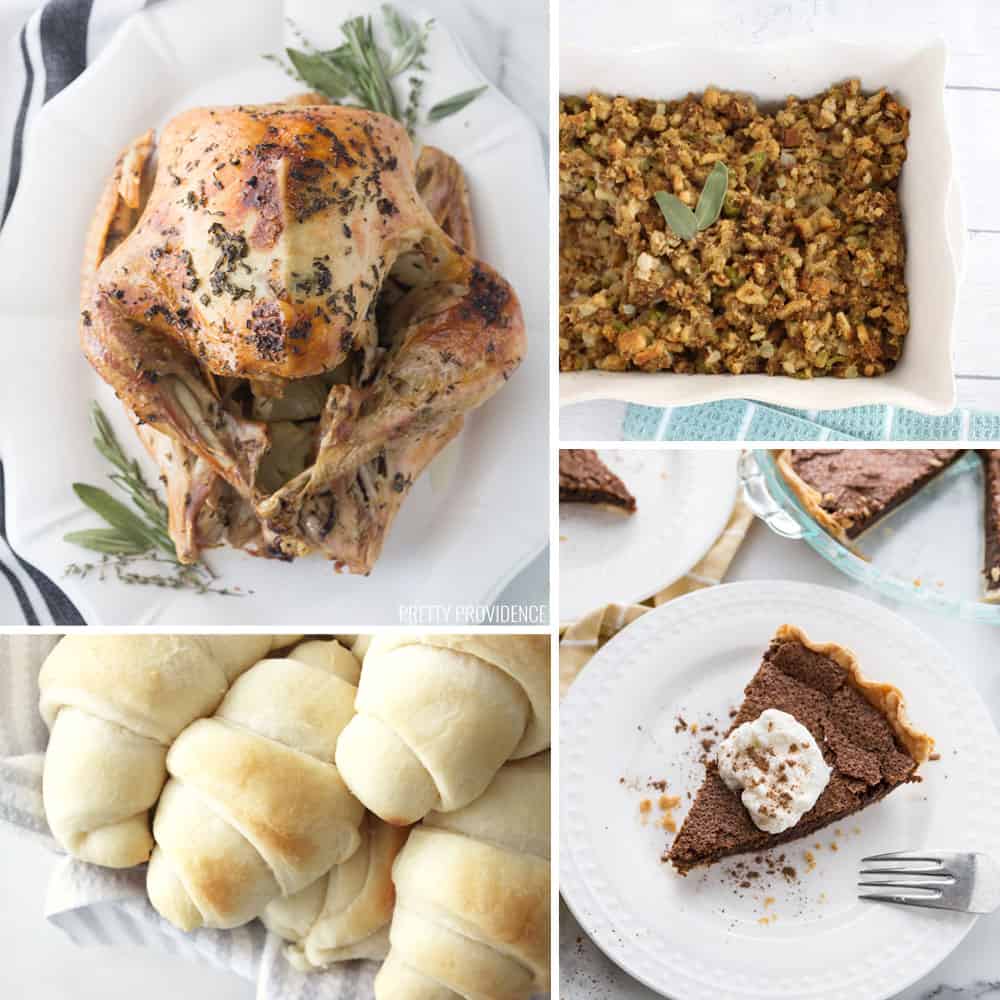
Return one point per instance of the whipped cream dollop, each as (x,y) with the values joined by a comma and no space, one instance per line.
(777,765)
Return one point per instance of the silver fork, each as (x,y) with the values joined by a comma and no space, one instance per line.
(947,880)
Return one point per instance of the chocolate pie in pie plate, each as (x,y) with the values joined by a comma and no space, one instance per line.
(916,525)
(848,491)
(820,703)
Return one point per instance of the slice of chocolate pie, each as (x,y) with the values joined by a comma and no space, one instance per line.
(584,478)
(814,741)
(849,490)
(991,480)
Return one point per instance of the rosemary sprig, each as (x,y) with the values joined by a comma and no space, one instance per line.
(131,538)
(359,73)
(687,224)
(371,80)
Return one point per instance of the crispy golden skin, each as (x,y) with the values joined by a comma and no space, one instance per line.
(285,307)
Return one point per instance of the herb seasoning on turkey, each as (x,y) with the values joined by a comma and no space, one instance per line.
(299,333)
(300,328)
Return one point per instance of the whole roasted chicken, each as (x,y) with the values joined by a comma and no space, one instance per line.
(292,313)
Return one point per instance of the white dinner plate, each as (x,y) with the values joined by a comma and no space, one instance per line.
(704,937)
(683,498)
(462,534)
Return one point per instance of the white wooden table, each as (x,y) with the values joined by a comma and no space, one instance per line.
(971,29)
(972,972)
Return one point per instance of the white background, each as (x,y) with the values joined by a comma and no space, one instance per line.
(972,30)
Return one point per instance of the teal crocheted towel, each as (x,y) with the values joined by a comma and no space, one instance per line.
(743,420)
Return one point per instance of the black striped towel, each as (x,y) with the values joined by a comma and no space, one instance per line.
(46,53)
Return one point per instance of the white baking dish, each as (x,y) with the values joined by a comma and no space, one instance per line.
(924,379)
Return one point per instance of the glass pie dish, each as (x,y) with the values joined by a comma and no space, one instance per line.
(928,552)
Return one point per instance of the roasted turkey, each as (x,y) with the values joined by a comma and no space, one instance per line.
(291,310)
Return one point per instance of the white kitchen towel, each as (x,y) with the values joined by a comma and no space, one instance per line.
(100,906)
(46,45)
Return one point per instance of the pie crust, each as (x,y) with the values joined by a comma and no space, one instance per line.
(812,500)
(886,698)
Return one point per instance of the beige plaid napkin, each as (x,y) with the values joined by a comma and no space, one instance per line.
(579,641)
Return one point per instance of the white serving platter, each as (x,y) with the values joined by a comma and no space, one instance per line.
(469,526)
(924,379)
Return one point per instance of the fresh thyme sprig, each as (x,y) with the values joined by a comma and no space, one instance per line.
(178,576)
(358,72)
(132,539)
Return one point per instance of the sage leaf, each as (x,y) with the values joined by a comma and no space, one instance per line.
(108,541)
(398,32)
(679,217)
(454,104)
(713,194)
(320,73)
(131,539)
(360,73)
(116,514)
(410,55)
(409,41)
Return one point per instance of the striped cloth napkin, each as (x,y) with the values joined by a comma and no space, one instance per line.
(100,906)
(581,640)
(745,420)
(46,47)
